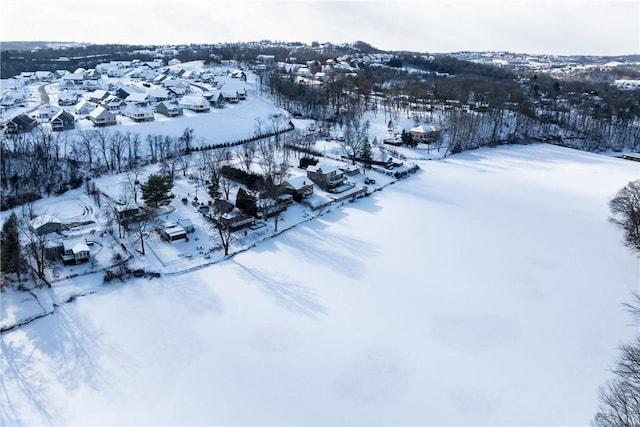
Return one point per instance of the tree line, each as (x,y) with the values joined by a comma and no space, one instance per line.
(620,396)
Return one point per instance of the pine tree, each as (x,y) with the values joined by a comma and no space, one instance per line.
(157,190)
(11,257)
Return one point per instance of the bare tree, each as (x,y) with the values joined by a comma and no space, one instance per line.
(35,243)
(246,154)
(134,150)
(102,141)
(109,216)
(625,212)
(355,135)
(132,183)
(620,397)
(225,185)
(184,161)
(87,143)
(143,224)
(212,162)
(118,145)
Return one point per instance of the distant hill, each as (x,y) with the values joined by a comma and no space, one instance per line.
(31,45)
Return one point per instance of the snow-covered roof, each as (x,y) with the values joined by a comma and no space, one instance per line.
(194,100)
(424,129)
(75,245)
(137,97)
(322,168)
(41,220)
(298,182)
(100,111)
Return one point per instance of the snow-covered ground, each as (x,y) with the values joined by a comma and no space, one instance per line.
(484,290)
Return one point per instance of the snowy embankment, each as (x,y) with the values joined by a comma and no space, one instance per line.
(484,290)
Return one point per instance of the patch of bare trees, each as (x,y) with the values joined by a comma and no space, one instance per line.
(620,397)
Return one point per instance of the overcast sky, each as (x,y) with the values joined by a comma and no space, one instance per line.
(605,27)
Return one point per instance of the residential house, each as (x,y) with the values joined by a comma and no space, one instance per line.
(239,74)
(20,123)
(229,215)
(9,98)
(68,98)
(63,120)
(230,96)
(177,86)
(266,59)
(102,117)
(197,103)
(84,107)
(46,111)
(113,103)
(215,98)
(45,224)
(169,108)
(160,79)
(45,76)
(137,98)
(28,76)
(91,85)
(329,178)
(98,96)
(75,251)
(128,212)
(274,206)
(425,133)
(299,187)
(139,112)
(158,95)
(123,92)
(172,232)
(71,80)
(350,170)
(92,74)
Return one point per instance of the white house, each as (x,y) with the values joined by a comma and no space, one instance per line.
(75,250)
(196,103)
(425,133)
(139,112)
(137,97)
(46,111)
(84,107)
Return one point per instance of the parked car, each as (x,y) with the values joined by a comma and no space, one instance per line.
(368,180)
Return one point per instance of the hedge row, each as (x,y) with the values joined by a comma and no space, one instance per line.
(242,141)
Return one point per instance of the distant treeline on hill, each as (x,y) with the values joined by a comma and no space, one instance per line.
(17,57)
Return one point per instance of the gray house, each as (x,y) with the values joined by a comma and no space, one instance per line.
(62,121)
(102,117)
(169,108)
(45,224)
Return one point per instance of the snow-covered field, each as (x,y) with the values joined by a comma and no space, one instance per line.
(484,290)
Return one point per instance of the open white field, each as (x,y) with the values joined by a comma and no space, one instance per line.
(484,290)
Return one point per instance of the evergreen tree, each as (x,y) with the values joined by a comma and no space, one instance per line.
(213,189)
(12,259)
(157,190)
(367,154)
(407,138)
(246,202)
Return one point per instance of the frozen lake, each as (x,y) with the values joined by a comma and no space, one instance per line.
(486,289)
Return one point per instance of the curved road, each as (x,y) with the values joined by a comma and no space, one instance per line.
(44,99)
